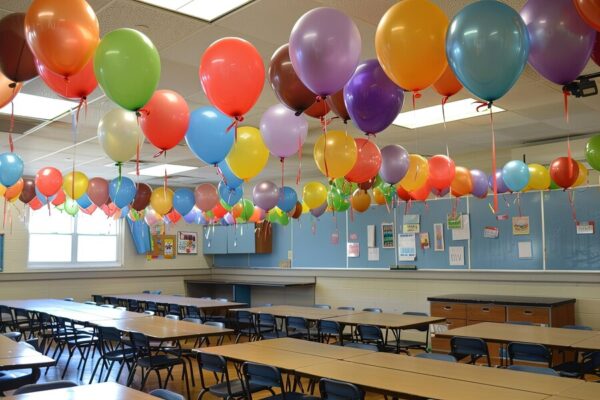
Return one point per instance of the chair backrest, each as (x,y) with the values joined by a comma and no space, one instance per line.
(133,305)
(266,305)
(6,314)
(166,394)
(69,299)
(350,308)
(112,300)
(418,314)
(174,309)
(154,291)
(140,343)
(216,324)
(243,318)
(98,299)
(369,333)
(151,306)
(468,346)
(89,302)
(373,309)
(38,387)
(145,291)
(222,299)
(192,312)
(266,320)
(14,335)
(109,334)
(437,356)
(172,316)
(533,369)
(336,390)
(297,323)
(148,312)
(327,327)
(578,327)
(529,352)
(323,306)
(193,320)
(262,375)
(526,323)
(212,362)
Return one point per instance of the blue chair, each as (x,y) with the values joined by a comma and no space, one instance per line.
(266,326)
(502,352)
(437,356)
(112,350)
(335,390)
(329,329)
(371,334)
(269,377)
(297,327)
(373,309)
(578,327)
(533,369)
(348,308)
(166,394)
(530,352)
(415,344)
(474,348)
(323,306)
(98,299)
(244,325)
(38,387)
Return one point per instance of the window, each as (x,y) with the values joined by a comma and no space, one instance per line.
(60,240)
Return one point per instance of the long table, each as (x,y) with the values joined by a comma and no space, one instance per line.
(97,391)
(203,304)
(15,355)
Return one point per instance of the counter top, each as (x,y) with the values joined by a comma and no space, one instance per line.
(503,300)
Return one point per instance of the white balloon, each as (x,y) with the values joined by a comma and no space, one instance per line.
(119,134)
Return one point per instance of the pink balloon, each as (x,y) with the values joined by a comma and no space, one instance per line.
(98,191)
(206,196)
(283,131)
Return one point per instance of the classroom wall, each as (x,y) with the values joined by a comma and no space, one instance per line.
(136,274)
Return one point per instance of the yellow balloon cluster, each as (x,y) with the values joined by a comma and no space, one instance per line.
(335,154)
(75,184)
(418,172)
(539,177)
(161,200)
(249,155)
(314,194)
(582,178)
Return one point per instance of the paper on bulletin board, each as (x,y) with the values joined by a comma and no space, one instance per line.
(407,247)
(353,249)
(520,225)
(438,237)
(490,232)
(424,240)
(411,223)
(387,234)
(464,232)
(454,221)
(373,254)
(585,227)
(456,255)
(525,250)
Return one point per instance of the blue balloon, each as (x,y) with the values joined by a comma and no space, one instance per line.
(84,201)
(207,135)
(515,175)
(487,46)
(121,193)
(228,176)
(287,199)
(124,212)
(43,199)
(183,201)
(229,195)
(11,168)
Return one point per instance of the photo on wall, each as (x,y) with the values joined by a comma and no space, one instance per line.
(187,243)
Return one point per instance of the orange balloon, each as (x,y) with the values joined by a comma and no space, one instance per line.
(421,194)
(461,184)
(379,196)
(232,74)
(589,11)
(236,210)
(14,190)
(360,200)
(447,85)
(410,42)
(63,35)
(8,90)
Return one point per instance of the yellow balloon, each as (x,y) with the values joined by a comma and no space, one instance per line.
(2,190)
(161,201)
(75,184)
(314,194)
(539,177)
(249,155)
(378,196)
(418,172)
(582,178)
(410,42)
(339,150)
(305,208)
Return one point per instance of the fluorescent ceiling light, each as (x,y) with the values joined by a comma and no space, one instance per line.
(159,170)
(207,10)
(38,107)
(455,110)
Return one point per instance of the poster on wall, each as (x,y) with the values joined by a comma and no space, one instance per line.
(520,225)
(187,243)
(387,233)
(438,236)
(163,246)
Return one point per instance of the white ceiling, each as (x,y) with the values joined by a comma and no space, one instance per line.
(535,106)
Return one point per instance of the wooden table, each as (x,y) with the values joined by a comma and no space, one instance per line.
(97,391)
(161,328)
(15,355)
(408,384)
(310,313)
(544,384)
(506,333)
(311,348)
(202,304)
(584,391)
(591,344)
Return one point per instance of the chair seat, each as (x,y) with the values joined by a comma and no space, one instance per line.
(119,355)
(291,396)
(220,389)
(162,360)
(272,335)
(407,344)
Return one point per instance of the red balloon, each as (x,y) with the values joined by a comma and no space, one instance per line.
(232,75)
(48,181)
(16,58)
(60,198)
(561,174)
(441,171)
(35,204)
(78,86)
(98,191)
(368,162)
(219,211)
(317,110)
(28,192)
(165,119)
(589,10)
(421,194)
(173,216)
(402,193)
(142,197)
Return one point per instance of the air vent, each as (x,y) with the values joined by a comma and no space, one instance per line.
(21,125)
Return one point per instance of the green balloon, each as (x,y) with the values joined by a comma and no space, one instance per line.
(553,185)
(284,219)
(378,181)
(71,207)
(343,206)
(273,216)
(387,191)
(592,152)
(247,209)
(334,198)
(127,67)
(225,205)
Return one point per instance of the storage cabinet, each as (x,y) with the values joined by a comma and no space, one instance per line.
(238,239)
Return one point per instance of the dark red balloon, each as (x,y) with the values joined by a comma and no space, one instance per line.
(98,191)
(368,184)
(337,105)
(297,211)
(79,85)
(403,194)
(563,175)
(16,59)
(142,197)
(596,50)
(28,192)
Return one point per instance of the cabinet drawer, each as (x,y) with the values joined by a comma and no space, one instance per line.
(455,323)
(486,312)
(449,310)
(536,315)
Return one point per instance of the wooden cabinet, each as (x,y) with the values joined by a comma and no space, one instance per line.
(238,239)
(485,313)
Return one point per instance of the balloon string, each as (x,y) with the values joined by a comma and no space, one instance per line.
(566,105)
(444,100)
(566,115)
(518,201)
(236,121)
(4,217)
(571,197)
(220,174)
(282,161)
(11,144)
(165,182)
(455,202)
(137,159)
(494,177)
(569,156)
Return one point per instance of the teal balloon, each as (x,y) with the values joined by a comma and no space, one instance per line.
(515,175)
(11,168)
(127,67)
(208,136)
(487,46)
(229,177)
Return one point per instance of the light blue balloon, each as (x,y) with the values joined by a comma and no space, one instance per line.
(515,175)
(11,168)
(228,176)
(487,46)
(229,195)
(121,194)
(193,216)
(183,201)
(124,212)
(207,135)
(43,199)
(287,199)
(84,201)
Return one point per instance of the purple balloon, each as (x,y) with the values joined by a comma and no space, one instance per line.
(228,219)
(394,163)
(502,188)
(372,99)
(282,131)
(325,49)
(440,193)
(560,41)
(317,212)
(193,216)
(265,195)
(480,183)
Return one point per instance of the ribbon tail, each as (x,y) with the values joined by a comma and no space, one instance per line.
(494,178)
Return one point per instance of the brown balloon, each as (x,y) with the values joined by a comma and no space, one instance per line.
(318,109)
(16,59)
(28,192)
(98,191)
(142,197)
(8,90)
(297,211)
(367,184)
(338,106)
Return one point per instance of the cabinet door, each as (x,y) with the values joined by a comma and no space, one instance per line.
(214,240)
(240,239)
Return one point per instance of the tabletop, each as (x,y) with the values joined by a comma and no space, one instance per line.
(545,384)
(180,300)
(97,391)
(163,328)
(402,383)
(592,343)
(387,320)
(585,391)
(312,348)
(506,333)
(311,313)
(15,355)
